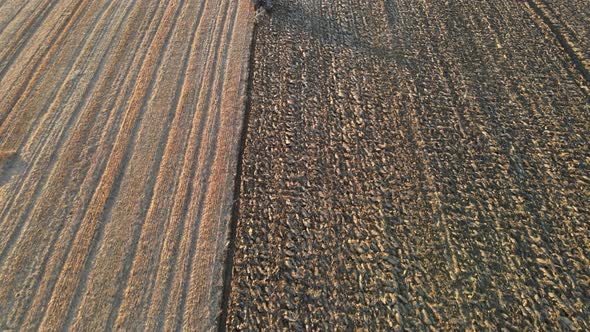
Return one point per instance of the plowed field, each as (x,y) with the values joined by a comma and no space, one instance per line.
(119,123)
(416,165)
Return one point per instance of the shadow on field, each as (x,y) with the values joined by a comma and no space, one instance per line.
(10,165)
(320,26)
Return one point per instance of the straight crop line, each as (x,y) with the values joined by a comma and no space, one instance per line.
(172,241)
(28,29)
(59,33)
(184,310)
(128,136)
(18,11)
(66,292)
(71,81)
(195,179)
(88,91)
(114,314)
(130,81)
(37,153)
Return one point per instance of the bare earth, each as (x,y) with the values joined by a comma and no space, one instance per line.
(416,165)
(119,131)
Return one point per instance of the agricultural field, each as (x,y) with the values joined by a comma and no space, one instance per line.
(118,156)
(332,165)
(416,164)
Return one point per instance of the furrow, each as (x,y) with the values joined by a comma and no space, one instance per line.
(176,307)
(19,124)
(199,306)
(8,16)
(165,304)
(22,36)
(124,118)
(129,218)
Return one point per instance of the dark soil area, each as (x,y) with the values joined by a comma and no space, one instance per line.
(413,165)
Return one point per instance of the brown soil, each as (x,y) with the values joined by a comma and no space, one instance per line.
(416,165)
(124,118)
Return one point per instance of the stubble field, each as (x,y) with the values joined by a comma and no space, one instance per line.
(118,123)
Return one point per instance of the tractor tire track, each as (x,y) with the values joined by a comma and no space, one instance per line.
(579,53)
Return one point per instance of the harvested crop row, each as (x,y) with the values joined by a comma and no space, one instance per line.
(120,120)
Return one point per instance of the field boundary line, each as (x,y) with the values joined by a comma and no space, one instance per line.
(235,214)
